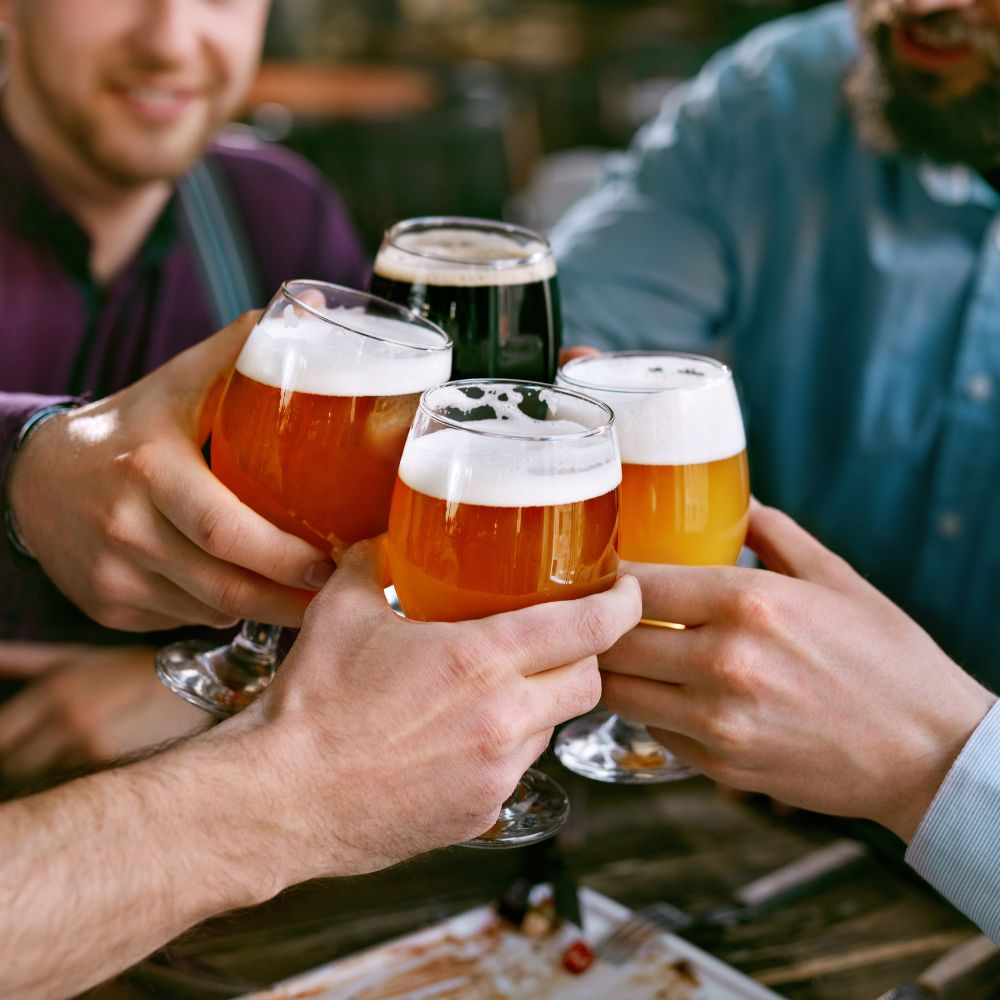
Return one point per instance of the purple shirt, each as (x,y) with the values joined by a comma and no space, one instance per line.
(63,336)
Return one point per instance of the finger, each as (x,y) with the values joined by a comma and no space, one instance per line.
(204,511)
(685,595)
(549,635)
(568,354)
(357,589)
(21,715)
(563,693)
(33,659)
(785,547)
(656,654)
(685,749)
(665,706)
(39,752)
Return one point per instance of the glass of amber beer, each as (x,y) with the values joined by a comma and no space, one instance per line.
(490,285)
(309,433)
(685,499)
(507,496)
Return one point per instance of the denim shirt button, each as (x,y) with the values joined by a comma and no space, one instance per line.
(979,387)
(949,525)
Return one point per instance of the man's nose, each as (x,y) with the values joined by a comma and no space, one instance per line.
(169,29)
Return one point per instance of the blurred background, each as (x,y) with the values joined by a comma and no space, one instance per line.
(496,108)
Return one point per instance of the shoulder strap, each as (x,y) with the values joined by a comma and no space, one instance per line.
(222,249)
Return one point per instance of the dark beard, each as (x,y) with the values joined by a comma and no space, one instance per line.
(898,111)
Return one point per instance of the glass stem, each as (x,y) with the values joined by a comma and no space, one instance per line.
(255,648)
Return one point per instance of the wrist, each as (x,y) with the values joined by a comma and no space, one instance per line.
(933,757)
(15,486)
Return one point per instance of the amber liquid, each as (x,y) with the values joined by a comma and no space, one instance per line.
(321,467)
(452,562)
(693,515)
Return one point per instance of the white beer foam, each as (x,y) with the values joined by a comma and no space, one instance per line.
(470,254)
(463,467)
(299,352)
(682,410)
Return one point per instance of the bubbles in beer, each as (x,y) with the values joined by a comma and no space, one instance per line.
(669,409)
(349,353)
(465,257)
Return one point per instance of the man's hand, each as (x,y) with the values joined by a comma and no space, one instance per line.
(116,502)
(389,738)
(804,682)
(85,704)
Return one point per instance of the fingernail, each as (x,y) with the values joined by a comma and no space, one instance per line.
(319,573)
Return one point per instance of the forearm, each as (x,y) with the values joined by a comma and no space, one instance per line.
(98,873)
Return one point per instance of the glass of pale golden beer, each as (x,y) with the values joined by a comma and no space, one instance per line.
(685,499)
(309,434)
(490,285)
(507,496)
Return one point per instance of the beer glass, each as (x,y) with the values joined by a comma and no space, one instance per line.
(309,433)
(685,499)
(490,285)
(507,496)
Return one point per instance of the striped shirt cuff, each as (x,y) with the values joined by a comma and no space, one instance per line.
(957,845)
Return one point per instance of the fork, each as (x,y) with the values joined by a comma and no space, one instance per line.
(639,930)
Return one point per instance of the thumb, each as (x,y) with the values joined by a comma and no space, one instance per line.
(785,547)
(192,383)
(357,587)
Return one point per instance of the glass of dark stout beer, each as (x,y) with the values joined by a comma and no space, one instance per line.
(309,434)
(491,286)
(506,496)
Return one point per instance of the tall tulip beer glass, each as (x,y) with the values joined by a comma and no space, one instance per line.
(490,285)
(507,496)
(309,434)
(685,499)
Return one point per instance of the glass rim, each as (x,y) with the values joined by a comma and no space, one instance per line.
(723,372)
(398,229)
(404,314)
(424,407)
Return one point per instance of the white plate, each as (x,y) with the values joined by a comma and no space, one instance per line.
(473,956)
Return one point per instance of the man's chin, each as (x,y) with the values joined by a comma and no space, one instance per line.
(150,163)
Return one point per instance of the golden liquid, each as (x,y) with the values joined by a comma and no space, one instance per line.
(453,562)
(321,467)
(694,515)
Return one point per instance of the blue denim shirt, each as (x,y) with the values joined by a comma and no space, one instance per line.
(857,296)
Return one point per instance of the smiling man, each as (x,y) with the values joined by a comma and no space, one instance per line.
(129,230)
(819,204)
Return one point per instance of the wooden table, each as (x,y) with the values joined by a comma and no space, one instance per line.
(687,843)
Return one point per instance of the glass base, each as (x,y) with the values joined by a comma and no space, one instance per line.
(608,748)
(536,811)
(220,680)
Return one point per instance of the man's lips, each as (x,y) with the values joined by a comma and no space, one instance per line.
(156,105)
(918,50)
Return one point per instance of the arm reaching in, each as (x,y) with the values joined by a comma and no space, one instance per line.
(116,502)
(379,739)
(802,682)
(82,705)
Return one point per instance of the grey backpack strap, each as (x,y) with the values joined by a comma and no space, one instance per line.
(222,250)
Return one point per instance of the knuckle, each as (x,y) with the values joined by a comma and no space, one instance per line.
(732,664)
(230,596)
(216,531)
(729,733)
(495,732)
(595,627)
(757,608)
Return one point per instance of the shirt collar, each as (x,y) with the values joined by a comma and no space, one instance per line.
(954,184)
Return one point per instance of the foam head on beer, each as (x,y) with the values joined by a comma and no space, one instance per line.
(507,496)
(466,257)
(343,352)
(685,482)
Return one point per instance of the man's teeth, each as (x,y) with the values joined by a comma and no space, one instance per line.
(150,95)
(944,36)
